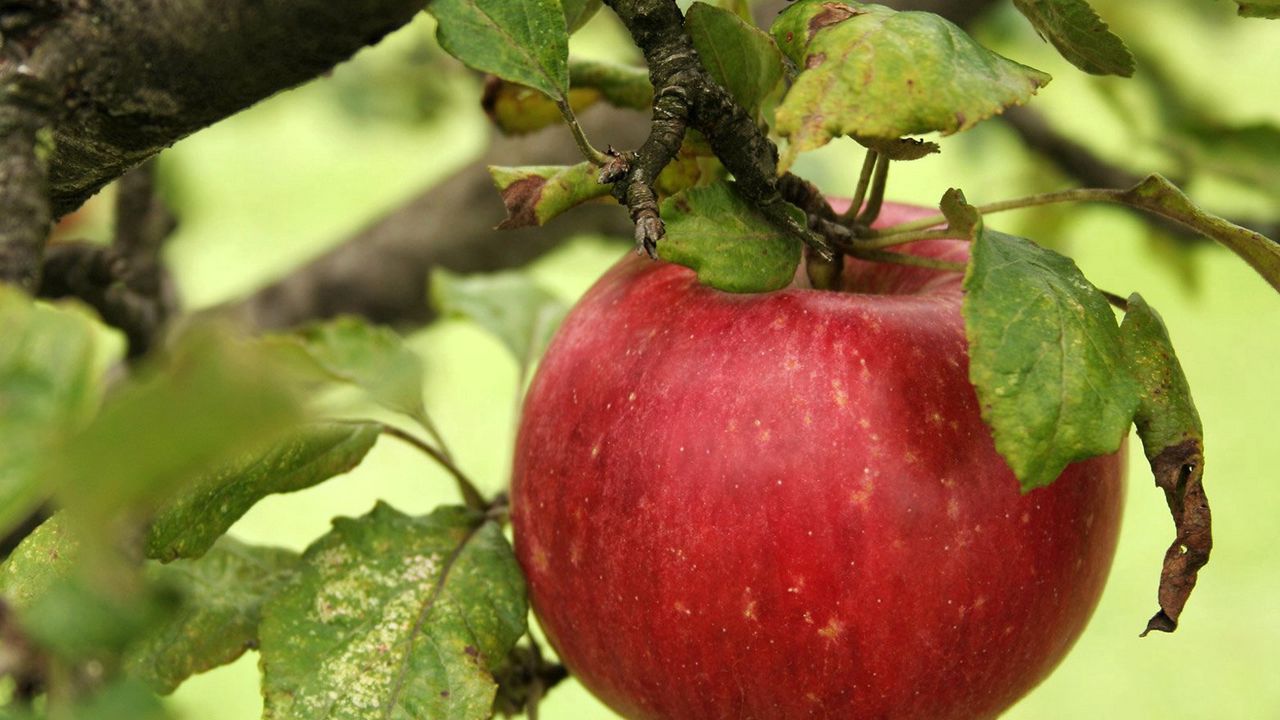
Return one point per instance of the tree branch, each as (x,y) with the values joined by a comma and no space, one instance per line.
(134,76)
(685,93)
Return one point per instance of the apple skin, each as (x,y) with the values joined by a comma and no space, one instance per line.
(787,505)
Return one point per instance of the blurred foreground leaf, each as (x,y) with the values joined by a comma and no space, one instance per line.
(49,386)
(415,633)
(509,305)
(189,525)
(213,398)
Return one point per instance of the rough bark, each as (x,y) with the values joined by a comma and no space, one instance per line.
(134,76)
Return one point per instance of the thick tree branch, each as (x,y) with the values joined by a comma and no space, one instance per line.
(26,104)
(113,82)
(134,76)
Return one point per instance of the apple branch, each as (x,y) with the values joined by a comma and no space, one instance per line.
(112,82)
(25,105)
(686,96)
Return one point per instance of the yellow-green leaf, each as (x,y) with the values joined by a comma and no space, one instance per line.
(869,71)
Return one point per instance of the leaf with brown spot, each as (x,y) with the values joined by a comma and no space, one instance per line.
(1173,440)
(887,74)
(535,194)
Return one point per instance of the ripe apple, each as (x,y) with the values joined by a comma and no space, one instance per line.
(787,505)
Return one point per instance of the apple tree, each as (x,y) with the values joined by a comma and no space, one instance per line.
(959,489)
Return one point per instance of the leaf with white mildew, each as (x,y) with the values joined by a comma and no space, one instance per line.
(510,305)
(217,620)
(394,616)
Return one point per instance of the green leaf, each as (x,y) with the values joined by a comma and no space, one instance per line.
(1073,26)
(1173,440)
(578,12)
(624,86)
(510,305)
(394,616)
(727,241)
(43,558)
(535,194)
(188,526)
(1045,358)
(1260,9)
(222,597)
(49,386)
(526,42)
(71,602)
(744,60)
(871,72)
(372,358)
(1158,195)
(215,397)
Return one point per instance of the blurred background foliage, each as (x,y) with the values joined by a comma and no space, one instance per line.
(281,183)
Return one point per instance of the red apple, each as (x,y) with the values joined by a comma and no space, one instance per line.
(787,505)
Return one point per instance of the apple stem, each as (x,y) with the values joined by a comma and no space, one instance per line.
(878,242)
(472,496)
(864,180)
(864,253)
(1061,196)
(875,198)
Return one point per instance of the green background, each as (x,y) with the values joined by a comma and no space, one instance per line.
(295,175)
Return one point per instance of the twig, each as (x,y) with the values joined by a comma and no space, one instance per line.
(860,193)
(470,495)
(875,197)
